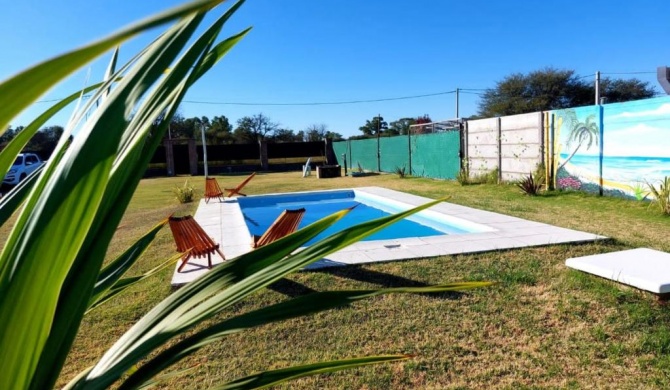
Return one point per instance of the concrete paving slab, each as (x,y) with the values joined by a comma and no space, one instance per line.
(644,268)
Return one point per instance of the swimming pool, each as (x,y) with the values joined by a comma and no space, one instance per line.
(260,211)
(488,231)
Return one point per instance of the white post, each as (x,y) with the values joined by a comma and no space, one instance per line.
(204,149)
(597,88)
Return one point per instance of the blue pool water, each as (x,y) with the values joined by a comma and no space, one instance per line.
(260,211)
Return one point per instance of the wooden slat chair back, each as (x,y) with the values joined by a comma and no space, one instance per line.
(212,189)
(285,224)
(236,190)
(189,236)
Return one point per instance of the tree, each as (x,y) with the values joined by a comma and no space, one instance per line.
(374,126)
(316,132)
(286,135)
(551,89)
(220,131)
(334,136)
(251,129)
(620,90)
(402,125)
(44,141)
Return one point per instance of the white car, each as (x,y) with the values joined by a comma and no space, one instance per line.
(24,165)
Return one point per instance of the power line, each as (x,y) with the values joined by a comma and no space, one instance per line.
(627,73)
(319,103)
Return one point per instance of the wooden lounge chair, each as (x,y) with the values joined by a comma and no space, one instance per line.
(285,224)
(189,236)
(236,190)
(212,189)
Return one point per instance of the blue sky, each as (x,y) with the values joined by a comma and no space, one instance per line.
(306,51)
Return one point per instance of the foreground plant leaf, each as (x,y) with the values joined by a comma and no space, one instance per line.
(300,306)
(110,275)
(266,379)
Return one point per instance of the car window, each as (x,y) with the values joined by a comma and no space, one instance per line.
(19,160)
(31,159)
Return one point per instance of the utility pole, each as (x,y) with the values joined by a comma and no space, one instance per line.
(597,88)
(457,90)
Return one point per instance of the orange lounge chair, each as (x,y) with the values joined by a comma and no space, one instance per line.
(285,224)
(212,189)
(236,190)
(190,238)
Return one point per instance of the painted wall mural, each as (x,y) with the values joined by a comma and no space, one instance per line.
(617,147)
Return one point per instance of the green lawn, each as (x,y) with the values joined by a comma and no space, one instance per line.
(542,325)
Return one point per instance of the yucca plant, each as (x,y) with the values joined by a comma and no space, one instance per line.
(185,193)
(529,185)
(51,265)
(661,195)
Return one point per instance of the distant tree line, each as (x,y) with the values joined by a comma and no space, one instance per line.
(248,129)
(43,142)
(377,126)
(553,89)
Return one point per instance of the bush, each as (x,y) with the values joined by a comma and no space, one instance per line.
(400,171)
(530,186)
(661,195)
(185,194)
(463,176)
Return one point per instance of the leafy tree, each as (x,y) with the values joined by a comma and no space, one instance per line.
(286,135)
(9,135)
(44,141)
(402,125)
(619,90)
(316,132)
(374,126)
(220,131)
(551,89)
(334,136)
(251,129)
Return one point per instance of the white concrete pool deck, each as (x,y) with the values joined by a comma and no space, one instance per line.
(224,222)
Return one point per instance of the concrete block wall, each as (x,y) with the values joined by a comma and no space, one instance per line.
(482,145)
(521,145)
(514,144)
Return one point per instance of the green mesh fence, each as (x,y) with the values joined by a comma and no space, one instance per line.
(340,148)
(436,155)
(432,155)
(363,152)
(394,153)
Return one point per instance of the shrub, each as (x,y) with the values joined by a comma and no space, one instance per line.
(185,194)
(400,171)
(463,176)
(661,195)
(530,186)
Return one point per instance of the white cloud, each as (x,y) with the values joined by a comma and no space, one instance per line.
(663,109)
(638,140)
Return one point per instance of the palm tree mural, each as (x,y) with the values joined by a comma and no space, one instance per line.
(580,133)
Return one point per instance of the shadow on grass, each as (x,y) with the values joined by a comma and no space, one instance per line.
(290,288)
(383,280)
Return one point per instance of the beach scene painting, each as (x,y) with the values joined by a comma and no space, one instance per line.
(635,144)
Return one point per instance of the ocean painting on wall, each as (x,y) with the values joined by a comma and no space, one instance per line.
(635,142)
